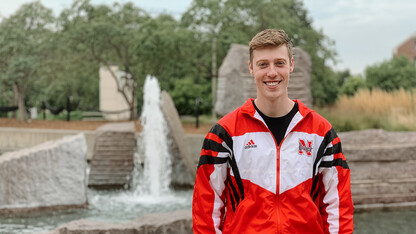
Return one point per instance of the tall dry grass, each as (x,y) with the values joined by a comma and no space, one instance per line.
(393,111)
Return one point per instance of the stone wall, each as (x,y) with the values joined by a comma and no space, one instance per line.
(12,139)
(49,175)
(382,168)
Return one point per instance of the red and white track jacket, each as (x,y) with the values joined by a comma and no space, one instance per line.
(300,186)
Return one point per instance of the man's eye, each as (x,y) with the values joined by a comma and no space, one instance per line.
(262,64)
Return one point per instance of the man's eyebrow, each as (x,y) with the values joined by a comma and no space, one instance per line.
(281,59)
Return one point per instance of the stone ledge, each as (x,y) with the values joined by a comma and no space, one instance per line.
(25,210)
(177,222)
(384,206)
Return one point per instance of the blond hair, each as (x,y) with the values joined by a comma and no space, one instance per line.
(270,38)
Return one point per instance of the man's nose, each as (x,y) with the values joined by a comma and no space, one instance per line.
(272,72)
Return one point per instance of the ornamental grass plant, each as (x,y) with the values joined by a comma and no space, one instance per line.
(391,111)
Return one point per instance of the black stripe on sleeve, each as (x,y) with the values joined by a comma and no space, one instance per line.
(237,177)
(336,162)
(237,198)
(223,134)
(207,159)
(214,146)
(234,199)
(335,149)
(329,137)
(315,196)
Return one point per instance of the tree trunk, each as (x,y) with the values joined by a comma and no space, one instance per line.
(15,99)
(22,108)
(133,106)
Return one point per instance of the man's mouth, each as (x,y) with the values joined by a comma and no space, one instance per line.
(272,83)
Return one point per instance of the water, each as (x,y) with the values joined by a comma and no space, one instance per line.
(385,222)
(107,206)
(156,176)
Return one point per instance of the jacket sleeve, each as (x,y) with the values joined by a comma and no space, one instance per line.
(210,184)
(334,191)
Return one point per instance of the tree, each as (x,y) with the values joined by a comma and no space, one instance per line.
(185,94)
(110,35)
(67,72)
(392,74)
(237,21)
(352,85)
(23,37)
(173,54)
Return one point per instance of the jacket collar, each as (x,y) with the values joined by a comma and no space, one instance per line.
(248,108)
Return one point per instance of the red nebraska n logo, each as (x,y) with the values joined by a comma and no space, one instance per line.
(305,147)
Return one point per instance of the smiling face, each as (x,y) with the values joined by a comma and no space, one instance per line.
(271,68)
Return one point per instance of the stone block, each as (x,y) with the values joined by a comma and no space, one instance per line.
(300,79)
(50,175)
(183,168)
(195,142)
(235,84)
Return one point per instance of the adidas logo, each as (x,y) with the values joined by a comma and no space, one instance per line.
(250,144)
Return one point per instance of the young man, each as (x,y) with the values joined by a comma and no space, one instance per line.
(272,165)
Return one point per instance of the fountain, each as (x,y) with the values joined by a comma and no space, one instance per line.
(151,191)
(156,158)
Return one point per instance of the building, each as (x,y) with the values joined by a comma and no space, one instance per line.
(407,48)
(113,105)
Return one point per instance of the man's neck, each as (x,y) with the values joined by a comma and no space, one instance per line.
(274,108)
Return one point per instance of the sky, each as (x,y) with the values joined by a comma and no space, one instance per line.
(365,31)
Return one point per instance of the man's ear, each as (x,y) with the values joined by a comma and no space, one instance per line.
(292,65)
(250,66)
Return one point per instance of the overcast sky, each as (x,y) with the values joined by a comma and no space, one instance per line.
(365,31)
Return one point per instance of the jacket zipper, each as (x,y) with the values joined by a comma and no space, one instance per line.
(277,198)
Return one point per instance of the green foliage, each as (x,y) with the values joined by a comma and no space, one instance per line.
(352,85)
(23,40)
(392,74)
(324,86)
(185,93)
(58,57)
(110,36)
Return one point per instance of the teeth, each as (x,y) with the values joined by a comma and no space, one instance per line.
(273,83)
